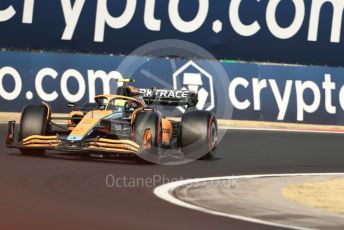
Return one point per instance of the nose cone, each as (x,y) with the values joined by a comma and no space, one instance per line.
(86,125)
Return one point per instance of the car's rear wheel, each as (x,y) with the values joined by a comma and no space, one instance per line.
(199,135)
(34,121)
(148,120)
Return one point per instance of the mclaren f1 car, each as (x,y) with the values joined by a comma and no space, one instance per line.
(126,124)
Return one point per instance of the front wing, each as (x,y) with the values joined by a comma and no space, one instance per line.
(89,145)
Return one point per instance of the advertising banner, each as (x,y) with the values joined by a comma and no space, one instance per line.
(295,31)
(234,90)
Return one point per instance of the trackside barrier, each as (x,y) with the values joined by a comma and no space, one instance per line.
(257,92)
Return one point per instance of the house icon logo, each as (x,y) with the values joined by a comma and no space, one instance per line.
(193,78)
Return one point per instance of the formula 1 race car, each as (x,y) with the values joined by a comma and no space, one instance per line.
(126,124)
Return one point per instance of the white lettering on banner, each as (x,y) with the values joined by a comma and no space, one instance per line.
(72,73)
(28,11)
(7,14)
(337,19)
(242,105)
(290,31)
(341,97)
(283,98)
(307,93)
(46,72)
(106,80)
(238,26)
(282,101)
(71,15)
(258,85)
(105,18)
(193,25)
(150,21)
(72,10)
(10,71)
(302,107)
(329,86)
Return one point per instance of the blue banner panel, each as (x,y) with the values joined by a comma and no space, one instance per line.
(233,90)
(303,32)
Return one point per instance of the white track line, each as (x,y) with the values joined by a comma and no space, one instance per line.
(285,130)
(165,192)
(255,129)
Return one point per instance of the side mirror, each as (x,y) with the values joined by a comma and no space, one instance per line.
(71,105)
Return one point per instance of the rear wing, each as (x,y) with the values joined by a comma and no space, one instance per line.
(169,97)
(159,96)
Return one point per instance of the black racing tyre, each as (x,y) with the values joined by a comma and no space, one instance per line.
(148,120)
(199,135)
(34,121)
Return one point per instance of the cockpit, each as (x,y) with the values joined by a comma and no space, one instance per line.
(118,104)
(121,105)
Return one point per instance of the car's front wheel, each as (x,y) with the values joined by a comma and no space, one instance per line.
(34,121)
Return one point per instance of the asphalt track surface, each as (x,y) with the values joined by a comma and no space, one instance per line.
(61,192)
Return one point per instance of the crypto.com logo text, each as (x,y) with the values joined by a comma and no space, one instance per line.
(72,11)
